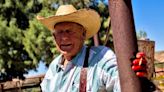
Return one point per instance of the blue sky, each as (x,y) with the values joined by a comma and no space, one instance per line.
(40,70)
(149,17)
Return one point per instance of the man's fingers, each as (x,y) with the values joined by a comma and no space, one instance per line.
(139,65)
(141,74)
(139,68)
(140,55)
(139,61)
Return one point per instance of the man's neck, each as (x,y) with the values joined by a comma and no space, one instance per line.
(66,60)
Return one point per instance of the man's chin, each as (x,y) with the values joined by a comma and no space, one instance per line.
(68,53)
(65,52)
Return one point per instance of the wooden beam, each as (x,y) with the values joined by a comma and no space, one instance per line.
(22,84)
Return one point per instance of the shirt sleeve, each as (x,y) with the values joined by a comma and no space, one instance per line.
(111,81)
(109,72)
(45,84)
(111,78)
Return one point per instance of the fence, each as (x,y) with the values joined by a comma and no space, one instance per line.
(18,85)
(159,68)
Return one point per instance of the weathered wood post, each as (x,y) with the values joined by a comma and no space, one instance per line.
(125,42)
(148,46)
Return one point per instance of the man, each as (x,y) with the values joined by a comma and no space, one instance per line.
(70,28)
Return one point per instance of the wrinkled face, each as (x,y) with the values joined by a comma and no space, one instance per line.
(69,38)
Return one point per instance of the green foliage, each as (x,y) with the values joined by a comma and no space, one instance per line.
(159,81)
(38,43)
(20,37)
(159,65)
(12,53)
(141,34)
(22,10)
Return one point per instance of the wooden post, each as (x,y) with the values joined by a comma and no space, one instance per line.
(96,40)
(147,47)
(125,42)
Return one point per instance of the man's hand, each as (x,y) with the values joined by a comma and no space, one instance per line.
(139,65)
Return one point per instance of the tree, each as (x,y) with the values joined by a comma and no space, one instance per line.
(21,10)
(15,43)
(141,35)
(12,53)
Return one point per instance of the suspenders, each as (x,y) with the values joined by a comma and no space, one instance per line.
(85,65)
(83,73)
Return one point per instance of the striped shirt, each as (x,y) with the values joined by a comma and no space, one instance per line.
(102,73)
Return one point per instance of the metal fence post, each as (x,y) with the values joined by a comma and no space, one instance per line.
(125,42)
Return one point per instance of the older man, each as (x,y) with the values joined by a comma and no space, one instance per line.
(78,67)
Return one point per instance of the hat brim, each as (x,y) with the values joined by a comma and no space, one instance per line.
(88,18)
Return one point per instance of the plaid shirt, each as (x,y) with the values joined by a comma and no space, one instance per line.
(102,74)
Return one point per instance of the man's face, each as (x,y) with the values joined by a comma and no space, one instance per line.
(69,38)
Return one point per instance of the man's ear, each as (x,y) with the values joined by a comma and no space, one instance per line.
(84,33)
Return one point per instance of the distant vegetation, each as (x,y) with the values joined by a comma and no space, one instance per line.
(141,34)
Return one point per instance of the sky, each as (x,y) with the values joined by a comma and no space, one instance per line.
(42,69)
(148,16)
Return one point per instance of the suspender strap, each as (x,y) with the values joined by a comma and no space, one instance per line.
(83,73)
(85,65)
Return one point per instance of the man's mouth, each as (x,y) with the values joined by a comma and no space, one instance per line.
(66,47)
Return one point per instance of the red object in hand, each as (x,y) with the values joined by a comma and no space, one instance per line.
(141,74)
(138,68)
(139,65)
(140,55)
(139,61)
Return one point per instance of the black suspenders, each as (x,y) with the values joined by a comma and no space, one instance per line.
(85,65)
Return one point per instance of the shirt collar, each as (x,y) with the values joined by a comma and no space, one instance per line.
(79,59)
(76,61)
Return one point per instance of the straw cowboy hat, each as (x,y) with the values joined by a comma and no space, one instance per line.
(88,18)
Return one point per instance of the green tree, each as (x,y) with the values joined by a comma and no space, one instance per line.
(141,34)
(19,38)
(12,53)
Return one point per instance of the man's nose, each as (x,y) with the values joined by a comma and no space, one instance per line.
(65,36)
